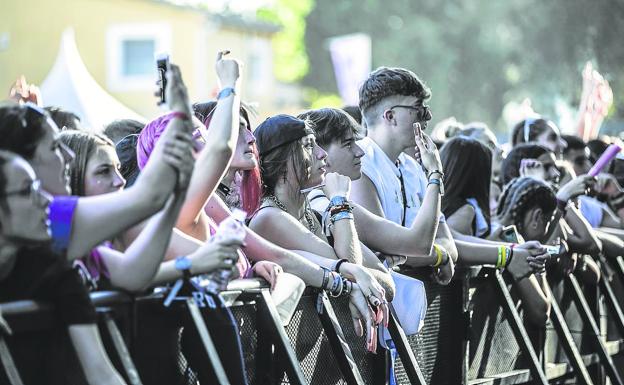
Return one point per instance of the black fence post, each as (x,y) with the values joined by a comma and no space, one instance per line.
(587,317)
(9,365)
(130,371)
(570,349)
(272,323)
(338,342)
(515,322)
(405,351)
(207,342)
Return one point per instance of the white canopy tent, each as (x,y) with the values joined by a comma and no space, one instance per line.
(70,85)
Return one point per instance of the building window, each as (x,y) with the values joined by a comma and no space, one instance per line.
(137,57)
(131,49)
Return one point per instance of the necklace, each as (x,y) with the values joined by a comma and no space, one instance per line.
(306,213)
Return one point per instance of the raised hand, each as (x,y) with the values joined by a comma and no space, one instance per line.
(575,187)
(177,95)
(533,168)
(337,185)
(178,154)
(426,151)
(607,184)
(22,92)
(228,70)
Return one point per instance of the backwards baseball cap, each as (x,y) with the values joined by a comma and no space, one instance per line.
(279,130)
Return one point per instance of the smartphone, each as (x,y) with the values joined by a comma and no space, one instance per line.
(510,234)
(162,64)
(554,250)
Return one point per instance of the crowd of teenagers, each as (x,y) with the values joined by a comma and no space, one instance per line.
(342,200)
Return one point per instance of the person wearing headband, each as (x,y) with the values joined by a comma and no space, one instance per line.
(540,130)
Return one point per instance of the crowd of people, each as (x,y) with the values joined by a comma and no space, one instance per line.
(343,200)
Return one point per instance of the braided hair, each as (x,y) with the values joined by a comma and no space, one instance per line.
(523,194)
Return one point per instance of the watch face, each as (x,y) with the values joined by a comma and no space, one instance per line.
(182,263)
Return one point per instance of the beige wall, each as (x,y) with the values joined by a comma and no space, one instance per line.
(34,28)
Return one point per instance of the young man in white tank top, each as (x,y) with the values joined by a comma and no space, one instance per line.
(392,101)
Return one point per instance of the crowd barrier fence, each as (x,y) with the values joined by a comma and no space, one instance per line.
(474,333)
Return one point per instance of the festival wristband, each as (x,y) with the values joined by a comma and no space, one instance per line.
(440,256)
(179,115)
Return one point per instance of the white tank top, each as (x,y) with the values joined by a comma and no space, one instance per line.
(400,205)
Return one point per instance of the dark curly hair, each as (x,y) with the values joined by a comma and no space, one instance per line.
(511,165)
(523,194)
(385,82)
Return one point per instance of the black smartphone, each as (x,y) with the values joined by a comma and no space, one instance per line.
(162,65)
(510,234)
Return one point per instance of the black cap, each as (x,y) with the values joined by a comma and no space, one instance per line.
(279,130)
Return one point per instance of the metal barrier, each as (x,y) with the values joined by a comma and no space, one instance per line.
(324,349)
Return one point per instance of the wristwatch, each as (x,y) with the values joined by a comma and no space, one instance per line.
(184,265)
(224,93)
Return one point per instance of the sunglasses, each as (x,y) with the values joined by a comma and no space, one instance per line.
(423,113)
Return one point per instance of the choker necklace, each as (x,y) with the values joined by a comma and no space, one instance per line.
(306,213)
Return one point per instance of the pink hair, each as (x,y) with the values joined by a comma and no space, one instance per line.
(149,136)
(251,185)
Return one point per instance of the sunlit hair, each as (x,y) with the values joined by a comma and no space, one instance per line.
(84,145)
(251,184)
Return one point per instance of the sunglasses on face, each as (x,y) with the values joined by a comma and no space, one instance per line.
(423,113)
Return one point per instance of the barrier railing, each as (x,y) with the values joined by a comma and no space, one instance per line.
(321,347)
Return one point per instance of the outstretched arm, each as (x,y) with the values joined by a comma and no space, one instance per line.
(215,158)
(102,217)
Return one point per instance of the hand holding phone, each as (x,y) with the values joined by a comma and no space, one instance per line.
(162,66)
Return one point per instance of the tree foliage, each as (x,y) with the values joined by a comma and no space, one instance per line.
(291,61)
(477,55)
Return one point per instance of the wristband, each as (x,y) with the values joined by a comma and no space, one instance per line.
(325,283)
(224,93)
(439,183)
(439,254)
(435,172)
(338,264)
(341,215)
(511,253)
(179,115)
(499,260)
